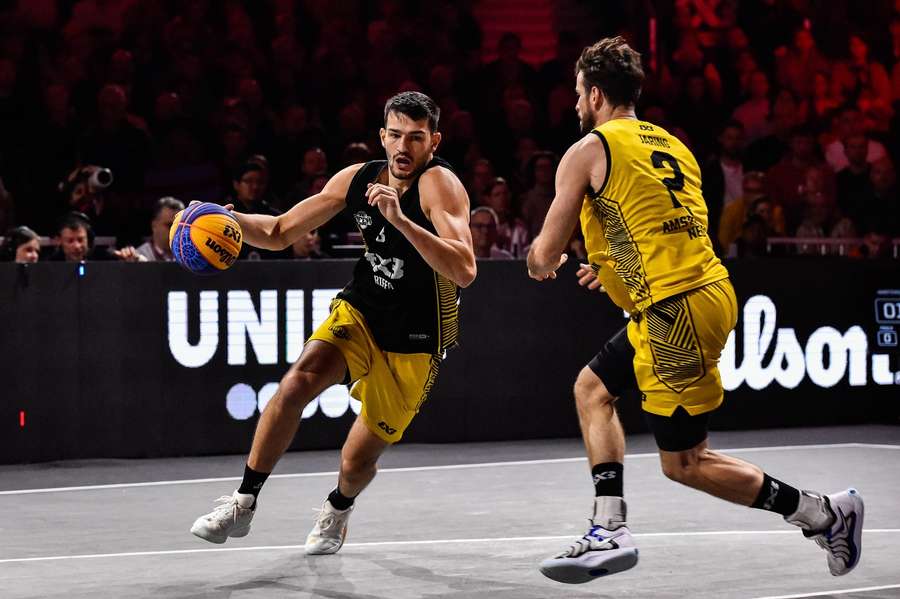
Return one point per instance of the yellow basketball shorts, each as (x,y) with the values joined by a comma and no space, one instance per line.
(670,351)
(391,386)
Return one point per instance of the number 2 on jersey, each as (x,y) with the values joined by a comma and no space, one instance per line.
(673,184)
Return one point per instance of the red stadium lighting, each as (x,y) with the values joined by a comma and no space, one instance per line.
(21,418)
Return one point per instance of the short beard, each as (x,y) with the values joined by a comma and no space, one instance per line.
(587,124)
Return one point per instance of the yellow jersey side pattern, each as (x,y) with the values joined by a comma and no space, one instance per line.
(647,223)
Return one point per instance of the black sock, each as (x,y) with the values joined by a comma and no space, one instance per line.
(339,500)
(252,481)
(776,496)
(608,479)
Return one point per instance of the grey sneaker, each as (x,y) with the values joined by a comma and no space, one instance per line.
(600,552)
(329,531)
(843,539)
(231,518)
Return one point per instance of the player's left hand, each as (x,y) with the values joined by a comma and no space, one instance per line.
(551,274)
(387,200)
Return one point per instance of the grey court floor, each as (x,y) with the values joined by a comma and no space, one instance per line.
(454,521)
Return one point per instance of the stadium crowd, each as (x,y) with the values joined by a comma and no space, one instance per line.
(112,109)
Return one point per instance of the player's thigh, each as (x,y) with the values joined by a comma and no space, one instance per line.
(679,436)
(678,342)
(346,330)
(393,391)
(610,374)
(319,366)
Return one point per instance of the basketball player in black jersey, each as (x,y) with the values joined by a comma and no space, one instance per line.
(390,326)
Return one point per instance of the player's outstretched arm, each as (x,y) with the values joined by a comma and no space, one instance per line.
(573,178)
(446,204)
(278,232)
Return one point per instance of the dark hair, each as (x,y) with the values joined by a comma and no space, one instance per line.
(247,167)
(167,202)
(613,67)
(532,164)
(77,220)
(416,106)
(14,238)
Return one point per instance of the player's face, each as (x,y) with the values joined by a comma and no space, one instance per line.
(408,144)
(586,116)
(29,251)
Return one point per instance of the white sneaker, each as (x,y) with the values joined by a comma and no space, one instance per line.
(330,530)
(607,548)
(231,518)
(843,539)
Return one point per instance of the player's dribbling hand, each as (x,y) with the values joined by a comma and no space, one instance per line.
(588,278)
(387,200)
(550,274)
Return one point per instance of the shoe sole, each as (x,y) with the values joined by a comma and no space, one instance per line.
(219,539)
(856,500)
(571,571)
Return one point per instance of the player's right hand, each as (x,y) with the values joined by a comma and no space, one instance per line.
(588,278)
(226,206)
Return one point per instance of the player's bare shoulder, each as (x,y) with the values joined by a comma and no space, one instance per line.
(439,186)
(585,160)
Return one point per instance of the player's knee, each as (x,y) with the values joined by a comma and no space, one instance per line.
(590,391)
(294,390)
(680,471)
(355,466)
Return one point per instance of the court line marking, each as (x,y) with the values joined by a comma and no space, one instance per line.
(192,481)
(709,533)
(834,592)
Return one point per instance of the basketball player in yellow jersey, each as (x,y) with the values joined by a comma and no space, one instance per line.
(636,190)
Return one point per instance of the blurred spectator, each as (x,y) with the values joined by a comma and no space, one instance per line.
(853,180)
(861,80)
(752,240)
(7,207)
(21,244)
(308,247)
(765,152)
(508,69)
(483,224)
(537,199)
(75,239)
(786,177)
(115,142)
(87,190)
(250,185)
(512,235)
(879,210)
(723,174)
(822,219)
(798,65)
(157,249)
(876,245)
(847,123)
(755,112)
(736,213)
(479,179)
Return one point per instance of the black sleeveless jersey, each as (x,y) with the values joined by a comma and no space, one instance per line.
(408,306)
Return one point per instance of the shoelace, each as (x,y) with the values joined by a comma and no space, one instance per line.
(225,505)
(591,540)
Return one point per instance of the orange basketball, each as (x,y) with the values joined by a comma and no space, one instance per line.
(205,238)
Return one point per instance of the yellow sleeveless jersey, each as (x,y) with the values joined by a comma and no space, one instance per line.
(645,228)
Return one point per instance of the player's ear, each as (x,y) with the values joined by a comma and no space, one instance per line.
(435,140)
(381,133)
